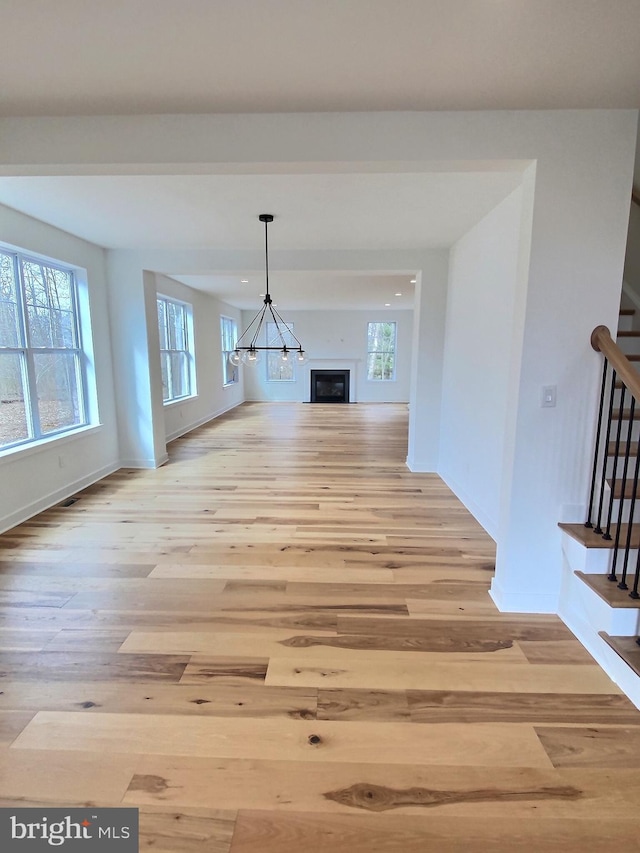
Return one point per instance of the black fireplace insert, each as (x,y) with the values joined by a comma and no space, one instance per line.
(329,386)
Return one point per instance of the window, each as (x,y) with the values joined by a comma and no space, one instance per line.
(381,351)
(277,369)
(175,349)
(229,333)
(42,365)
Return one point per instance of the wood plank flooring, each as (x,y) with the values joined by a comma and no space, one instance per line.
(282,642)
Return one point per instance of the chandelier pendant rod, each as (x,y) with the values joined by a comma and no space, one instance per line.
(277,317)
(257,322)
(266,218)
(279,323)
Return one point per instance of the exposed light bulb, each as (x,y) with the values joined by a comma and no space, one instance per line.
(251,357)
(235,357)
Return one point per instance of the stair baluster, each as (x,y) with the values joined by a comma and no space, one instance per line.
(616,457)
(589,522)
(603,477)
(614,477)
(625,470)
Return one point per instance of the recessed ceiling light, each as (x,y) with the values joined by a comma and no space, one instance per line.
(244,281)
(413,281)
(387,305)
(398,294)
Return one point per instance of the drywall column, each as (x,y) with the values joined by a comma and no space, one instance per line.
(427,362)
(482,357)
(568,281)
(132,305)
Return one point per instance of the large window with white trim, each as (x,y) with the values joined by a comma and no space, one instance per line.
(176,352)
(229,337)
(42,365)
(381,351)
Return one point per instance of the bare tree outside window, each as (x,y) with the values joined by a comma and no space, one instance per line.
(41,388)
(277,369)
(175,349)
(381,351)
(229,338)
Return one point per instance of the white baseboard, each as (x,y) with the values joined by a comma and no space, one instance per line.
(477,512)
(47,501)
(201,422)
(144,463)
(586,614)
(522,602)
(417,466)
(617,670)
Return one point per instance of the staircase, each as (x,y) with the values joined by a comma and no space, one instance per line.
(600,599)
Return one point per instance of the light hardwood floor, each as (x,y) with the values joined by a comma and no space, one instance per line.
(282,642)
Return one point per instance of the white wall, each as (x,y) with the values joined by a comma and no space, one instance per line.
(580,207)
(477,357)
(132,294)
(36,477)
(213,397)
(423,452)
(135,344)
(145,423)
(632,258)
(337,340)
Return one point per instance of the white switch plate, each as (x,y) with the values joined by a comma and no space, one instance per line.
(548,396)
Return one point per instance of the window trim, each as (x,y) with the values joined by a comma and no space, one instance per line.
(226,353)
(41,444)
(188,352)
(27,353)
(393,352)
(293,347)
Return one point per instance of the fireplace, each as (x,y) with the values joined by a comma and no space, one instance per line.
(330,386)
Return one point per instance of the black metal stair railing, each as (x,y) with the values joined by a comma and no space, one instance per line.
(615,477)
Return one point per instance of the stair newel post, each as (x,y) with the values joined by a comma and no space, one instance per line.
(616,453)
(589,522)
(603,476)
(625,470)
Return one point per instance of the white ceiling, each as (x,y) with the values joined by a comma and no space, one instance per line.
(310,291)
(312,212)
(166,56)
(336,211)
(84,57)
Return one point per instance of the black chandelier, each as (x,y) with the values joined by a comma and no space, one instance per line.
(249,351)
